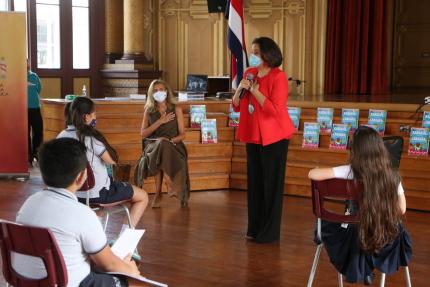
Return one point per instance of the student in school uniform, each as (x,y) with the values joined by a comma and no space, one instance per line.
(76,228)
(99,154)
(379,240)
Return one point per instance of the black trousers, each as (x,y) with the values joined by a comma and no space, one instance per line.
(95,279)
(266,177)
(35,132)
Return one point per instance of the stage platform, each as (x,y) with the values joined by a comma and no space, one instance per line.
(223,165)
(405,96)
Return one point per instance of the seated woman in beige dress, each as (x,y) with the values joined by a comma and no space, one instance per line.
(164,154)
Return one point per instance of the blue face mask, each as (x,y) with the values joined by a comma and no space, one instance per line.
(254,61)
(93,123)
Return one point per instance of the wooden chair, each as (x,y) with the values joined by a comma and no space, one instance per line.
(37,242)
(32,241)
(336,189)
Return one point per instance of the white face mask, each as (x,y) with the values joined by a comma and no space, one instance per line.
(160,96)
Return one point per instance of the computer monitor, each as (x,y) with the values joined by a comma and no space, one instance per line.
(197,83)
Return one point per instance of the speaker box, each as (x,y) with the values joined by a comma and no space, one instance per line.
(216,6)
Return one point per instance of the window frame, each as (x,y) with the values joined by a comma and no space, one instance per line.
(66,72)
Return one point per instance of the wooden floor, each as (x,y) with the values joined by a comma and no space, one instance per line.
(203,245)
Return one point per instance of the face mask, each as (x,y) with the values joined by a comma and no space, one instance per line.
(160,96)
(254,61)
(93,123)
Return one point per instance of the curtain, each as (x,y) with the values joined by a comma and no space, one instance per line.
(357,43)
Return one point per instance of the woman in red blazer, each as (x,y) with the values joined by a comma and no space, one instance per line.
(266,128)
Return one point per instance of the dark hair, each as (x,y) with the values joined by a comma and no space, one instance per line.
(269,51)
(67,114)
(80,107)
(61,160)
(379,211)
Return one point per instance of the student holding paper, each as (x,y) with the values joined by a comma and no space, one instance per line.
(165,155)
(77,230)
(266,128)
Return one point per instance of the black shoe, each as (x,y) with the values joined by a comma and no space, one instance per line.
(368,279)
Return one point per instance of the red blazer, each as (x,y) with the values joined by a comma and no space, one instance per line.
(271,122)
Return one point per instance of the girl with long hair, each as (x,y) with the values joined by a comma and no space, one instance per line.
(164,154)
(380,214)
(82,114)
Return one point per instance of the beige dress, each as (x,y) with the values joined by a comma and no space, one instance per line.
(165,156)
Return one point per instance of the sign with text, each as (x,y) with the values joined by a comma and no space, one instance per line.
(13,95)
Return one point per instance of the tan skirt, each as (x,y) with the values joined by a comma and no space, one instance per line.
(162,155)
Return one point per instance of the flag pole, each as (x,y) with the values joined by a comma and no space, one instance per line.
(230,80)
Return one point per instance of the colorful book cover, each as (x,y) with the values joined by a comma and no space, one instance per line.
(295,116)
(197,114)
(339,136)
(350,118)
(233,118)
(419,141)
(378,118)
(209,131)
(426,120)
(311,135)
(325,119)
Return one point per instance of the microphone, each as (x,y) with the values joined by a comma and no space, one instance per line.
(249,77)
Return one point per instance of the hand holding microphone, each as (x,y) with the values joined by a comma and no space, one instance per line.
(246,84)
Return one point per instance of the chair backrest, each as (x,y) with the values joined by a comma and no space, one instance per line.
(394,145)
(337,189)
(90,182)
(32,241)
(121,172)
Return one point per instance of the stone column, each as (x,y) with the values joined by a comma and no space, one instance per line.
(114,30)
(134,36)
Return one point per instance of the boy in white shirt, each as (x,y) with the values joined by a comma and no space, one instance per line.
(77,229)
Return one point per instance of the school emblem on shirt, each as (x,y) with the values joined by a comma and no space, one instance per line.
(3,73)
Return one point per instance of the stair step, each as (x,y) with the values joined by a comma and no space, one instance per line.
(132,151)
(201,181)
(293,186)
(225,134)
(197,165)
(221,119)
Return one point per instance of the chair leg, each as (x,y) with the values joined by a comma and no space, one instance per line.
(314,265)
(339,279)
(382,283)
(128,216)
(106,220)
(407,277)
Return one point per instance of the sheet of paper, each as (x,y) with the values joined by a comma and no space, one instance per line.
(140,278)
(127,242)
(182,96)
(137,96)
